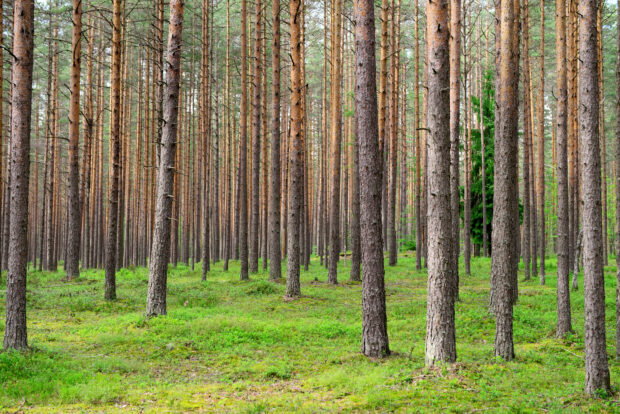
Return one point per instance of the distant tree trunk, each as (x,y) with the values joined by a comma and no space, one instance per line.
(375,342)
(293,288)
(256,137)
(160,253)
(275,270)
(541,146)
(394,132)
(455,107)
(73,195)
(527,139)
(483,172)
(597,369)
(115,154)
(336,142)
(505,198)
(356,242)
(242,206)
(418,150)
(15,334)
(617,173)
(440,327)
(617,186)
(564,325)
(229,135)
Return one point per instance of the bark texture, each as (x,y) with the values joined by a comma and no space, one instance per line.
(15,333)
(375,342)
(275,269)
(115,154)
(563,293)
(73,195)
(504,240)
(295,186)
(597,369)
(440,326)
(160,252)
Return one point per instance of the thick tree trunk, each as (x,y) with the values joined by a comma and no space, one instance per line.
(564,325)
(15,334)
(597,369)
(160,252)
(440,326)
(375,342)
(505,198)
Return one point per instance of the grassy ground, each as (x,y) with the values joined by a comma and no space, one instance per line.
(230,346)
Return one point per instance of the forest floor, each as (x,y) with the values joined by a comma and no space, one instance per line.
(231,346)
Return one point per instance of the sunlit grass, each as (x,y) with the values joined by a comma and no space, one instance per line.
(234,346)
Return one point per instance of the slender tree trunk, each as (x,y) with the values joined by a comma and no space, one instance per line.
(455,106)
(375,342)
(394,131)
(256,138)
(336,138)
(15,334)
(617,187)
(541,147)
(73,195)
(275,270)
(527,139)
(295,203)
(115,130)
(243,149)
(418,151)
(597,369)
(564,325)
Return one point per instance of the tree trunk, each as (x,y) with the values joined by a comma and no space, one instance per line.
(597,369)
(295,195)
(617,173)
(160,253)
(256,137)
(73,196)
(541,147)
(455,106)
(336,138)
(275,269)
(375,342)
(242,206)
(440,327)
(505,198)
(394,132)
(564,325)
(15,334)
(115,154)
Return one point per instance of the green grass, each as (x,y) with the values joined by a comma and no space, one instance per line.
(231,346)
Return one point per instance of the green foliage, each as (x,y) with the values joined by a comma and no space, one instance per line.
(407,244)
(232,346)
(488,115)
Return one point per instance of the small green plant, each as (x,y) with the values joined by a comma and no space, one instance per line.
(407,244)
